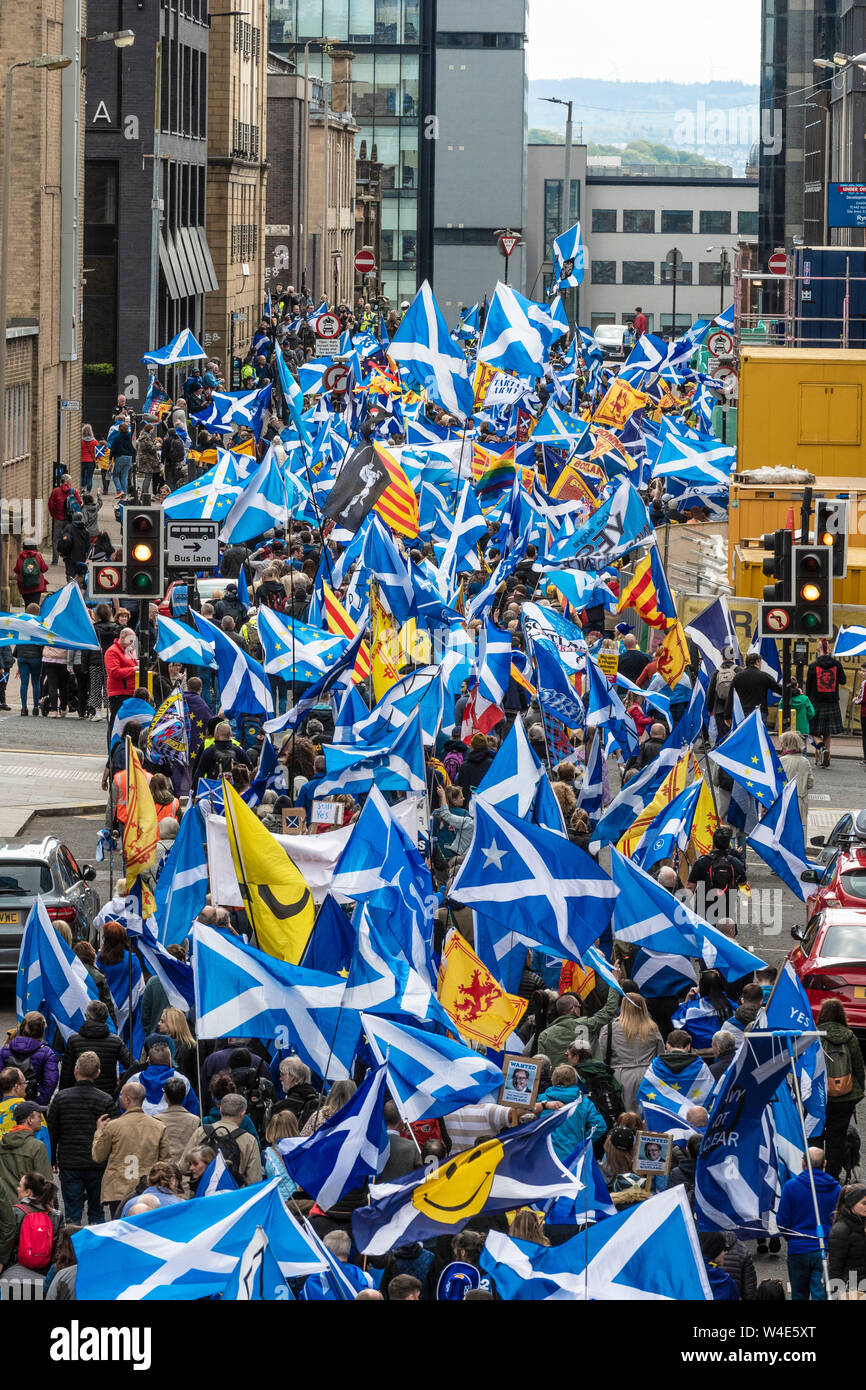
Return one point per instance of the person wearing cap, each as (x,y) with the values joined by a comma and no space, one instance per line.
(21,1151)
(230,606)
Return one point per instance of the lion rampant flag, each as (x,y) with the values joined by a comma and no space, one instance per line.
(384,647)
(141,831)
(673,654)
(469,994)
(618,404)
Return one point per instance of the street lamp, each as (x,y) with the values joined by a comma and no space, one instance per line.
(566,183)
(839,63)
(51,62)
(724,267)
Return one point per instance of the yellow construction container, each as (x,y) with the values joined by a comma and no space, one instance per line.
(803,408)
(753,511)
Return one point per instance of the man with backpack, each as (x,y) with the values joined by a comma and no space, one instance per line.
(239,1150)
(719,693)
(173,456)
(721,872)
(20,1152)
(62,501)
(29,573)
(219,757)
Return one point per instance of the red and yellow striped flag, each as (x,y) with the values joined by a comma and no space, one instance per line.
(398,505)
(640,594)
(338,621)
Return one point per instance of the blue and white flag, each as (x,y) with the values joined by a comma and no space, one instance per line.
(243,685)
(293,397)
(215,1178)
(648,1252)
(229,409)
(51,979)
(789,1010)
(242,992)
(213,494)
(568,260)
(850,641)
(736,1181)
(350,1146)
(726,318)
(534,883)
(467,529)
(512,779)
(394,764)
(604,704)
(517,1168)
(593,1202)
(556,694)
(665,1096)
(383,982)
(178,643)
(257,1275)
(184,347)
(749,757)
(582,590)
(518,334)
(262,506)
(428,1075)
(293,650)
(671,829)
(421,690)
(182,886)
(616,527)
(66,617)
(314,693)
(422,346)
(187,1250)
(713,633)
(778,838)
(693,457)
(590,798)
(383,562)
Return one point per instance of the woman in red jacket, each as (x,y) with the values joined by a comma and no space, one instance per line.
(121,672)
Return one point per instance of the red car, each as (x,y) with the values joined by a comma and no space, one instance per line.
(841,883)
(830,959)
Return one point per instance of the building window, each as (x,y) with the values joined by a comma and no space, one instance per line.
(637,273)
(604,272)
(17,435)
(684,321)
(715,223)
(677,220)
(604,219)
(684,277)
(747,223)
(470,39)
(638,220)
(709,273)
(554,220)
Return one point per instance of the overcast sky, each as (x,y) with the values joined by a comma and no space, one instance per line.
(631,40)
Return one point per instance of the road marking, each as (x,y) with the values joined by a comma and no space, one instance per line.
(64,774)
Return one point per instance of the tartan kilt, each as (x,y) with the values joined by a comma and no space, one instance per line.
(827,720)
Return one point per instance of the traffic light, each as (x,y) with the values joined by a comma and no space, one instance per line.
(831,529)
(142,551)
(813,591)
(779,567)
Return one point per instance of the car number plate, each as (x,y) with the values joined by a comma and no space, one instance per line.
(8,919)
(859,992)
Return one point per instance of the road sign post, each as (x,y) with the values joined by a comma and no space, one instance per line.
(365,261)
(192,545)
(327,328)
(507,243)
(778,263)
(720,343)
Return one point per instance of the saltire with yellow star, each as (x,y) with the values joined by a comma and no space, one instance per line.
(749,757)
(480,1008)
(275,894)
(647,592)
(665,1096)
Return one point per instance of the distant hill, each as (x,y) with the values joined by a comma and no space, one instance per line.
(718,120)
(635,152)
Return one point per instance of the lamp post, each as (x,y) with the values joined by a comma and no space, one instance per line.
(724,267)
(566,181)
(52,62)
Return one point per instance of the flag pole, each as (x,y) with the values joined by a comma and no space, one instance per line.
(795,1086)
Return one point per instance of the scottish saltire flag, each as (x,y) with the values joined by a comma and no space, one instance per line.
(241,992)
(262,506)
(665,1095)
(617,526)
(66,618)
(669,830)
(684,348)
(568,260)
(51,979)
(293,397)
(294,650)
(778,839)
(183,347)
(590,798)
(383,562)
(593,1202)
(789,1010)
(182,886)
(487,697)
(513,777)
(242,681)
(726,318)
(428,1075)
(257,1276)
(713,633)
(420,691)
(212,495)
(382,982)
(349,1147)
(215,1178)
(433,362)
(342,665)
(582,590)
(648,1252)
(659,976)
(693,457)
(466,530)
(228,409)
(603,702)
(188,1250)
(394,764)
(517,1168)
(382,867)
(736,1182)
(467,329)
(850,641)
(533,882)
(517,334)
(637,793)
(649,354)
(555,692)
(749,757)
(177,642)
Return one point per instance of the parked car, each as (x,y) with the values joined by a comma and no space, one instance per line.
(841,882)
(849,828)
(42,868)
(614,340)
(830,960)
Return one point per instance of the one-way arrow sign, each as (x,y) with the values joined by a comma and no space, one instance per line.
(192,545)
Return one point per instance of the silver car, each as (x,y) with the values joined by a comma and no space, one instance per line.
(30,868)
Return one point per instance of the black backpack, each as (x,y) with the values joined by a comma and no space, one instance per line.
(721,875)
(31,1076)
(226,1144)
(258,1092)
(602,1087)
